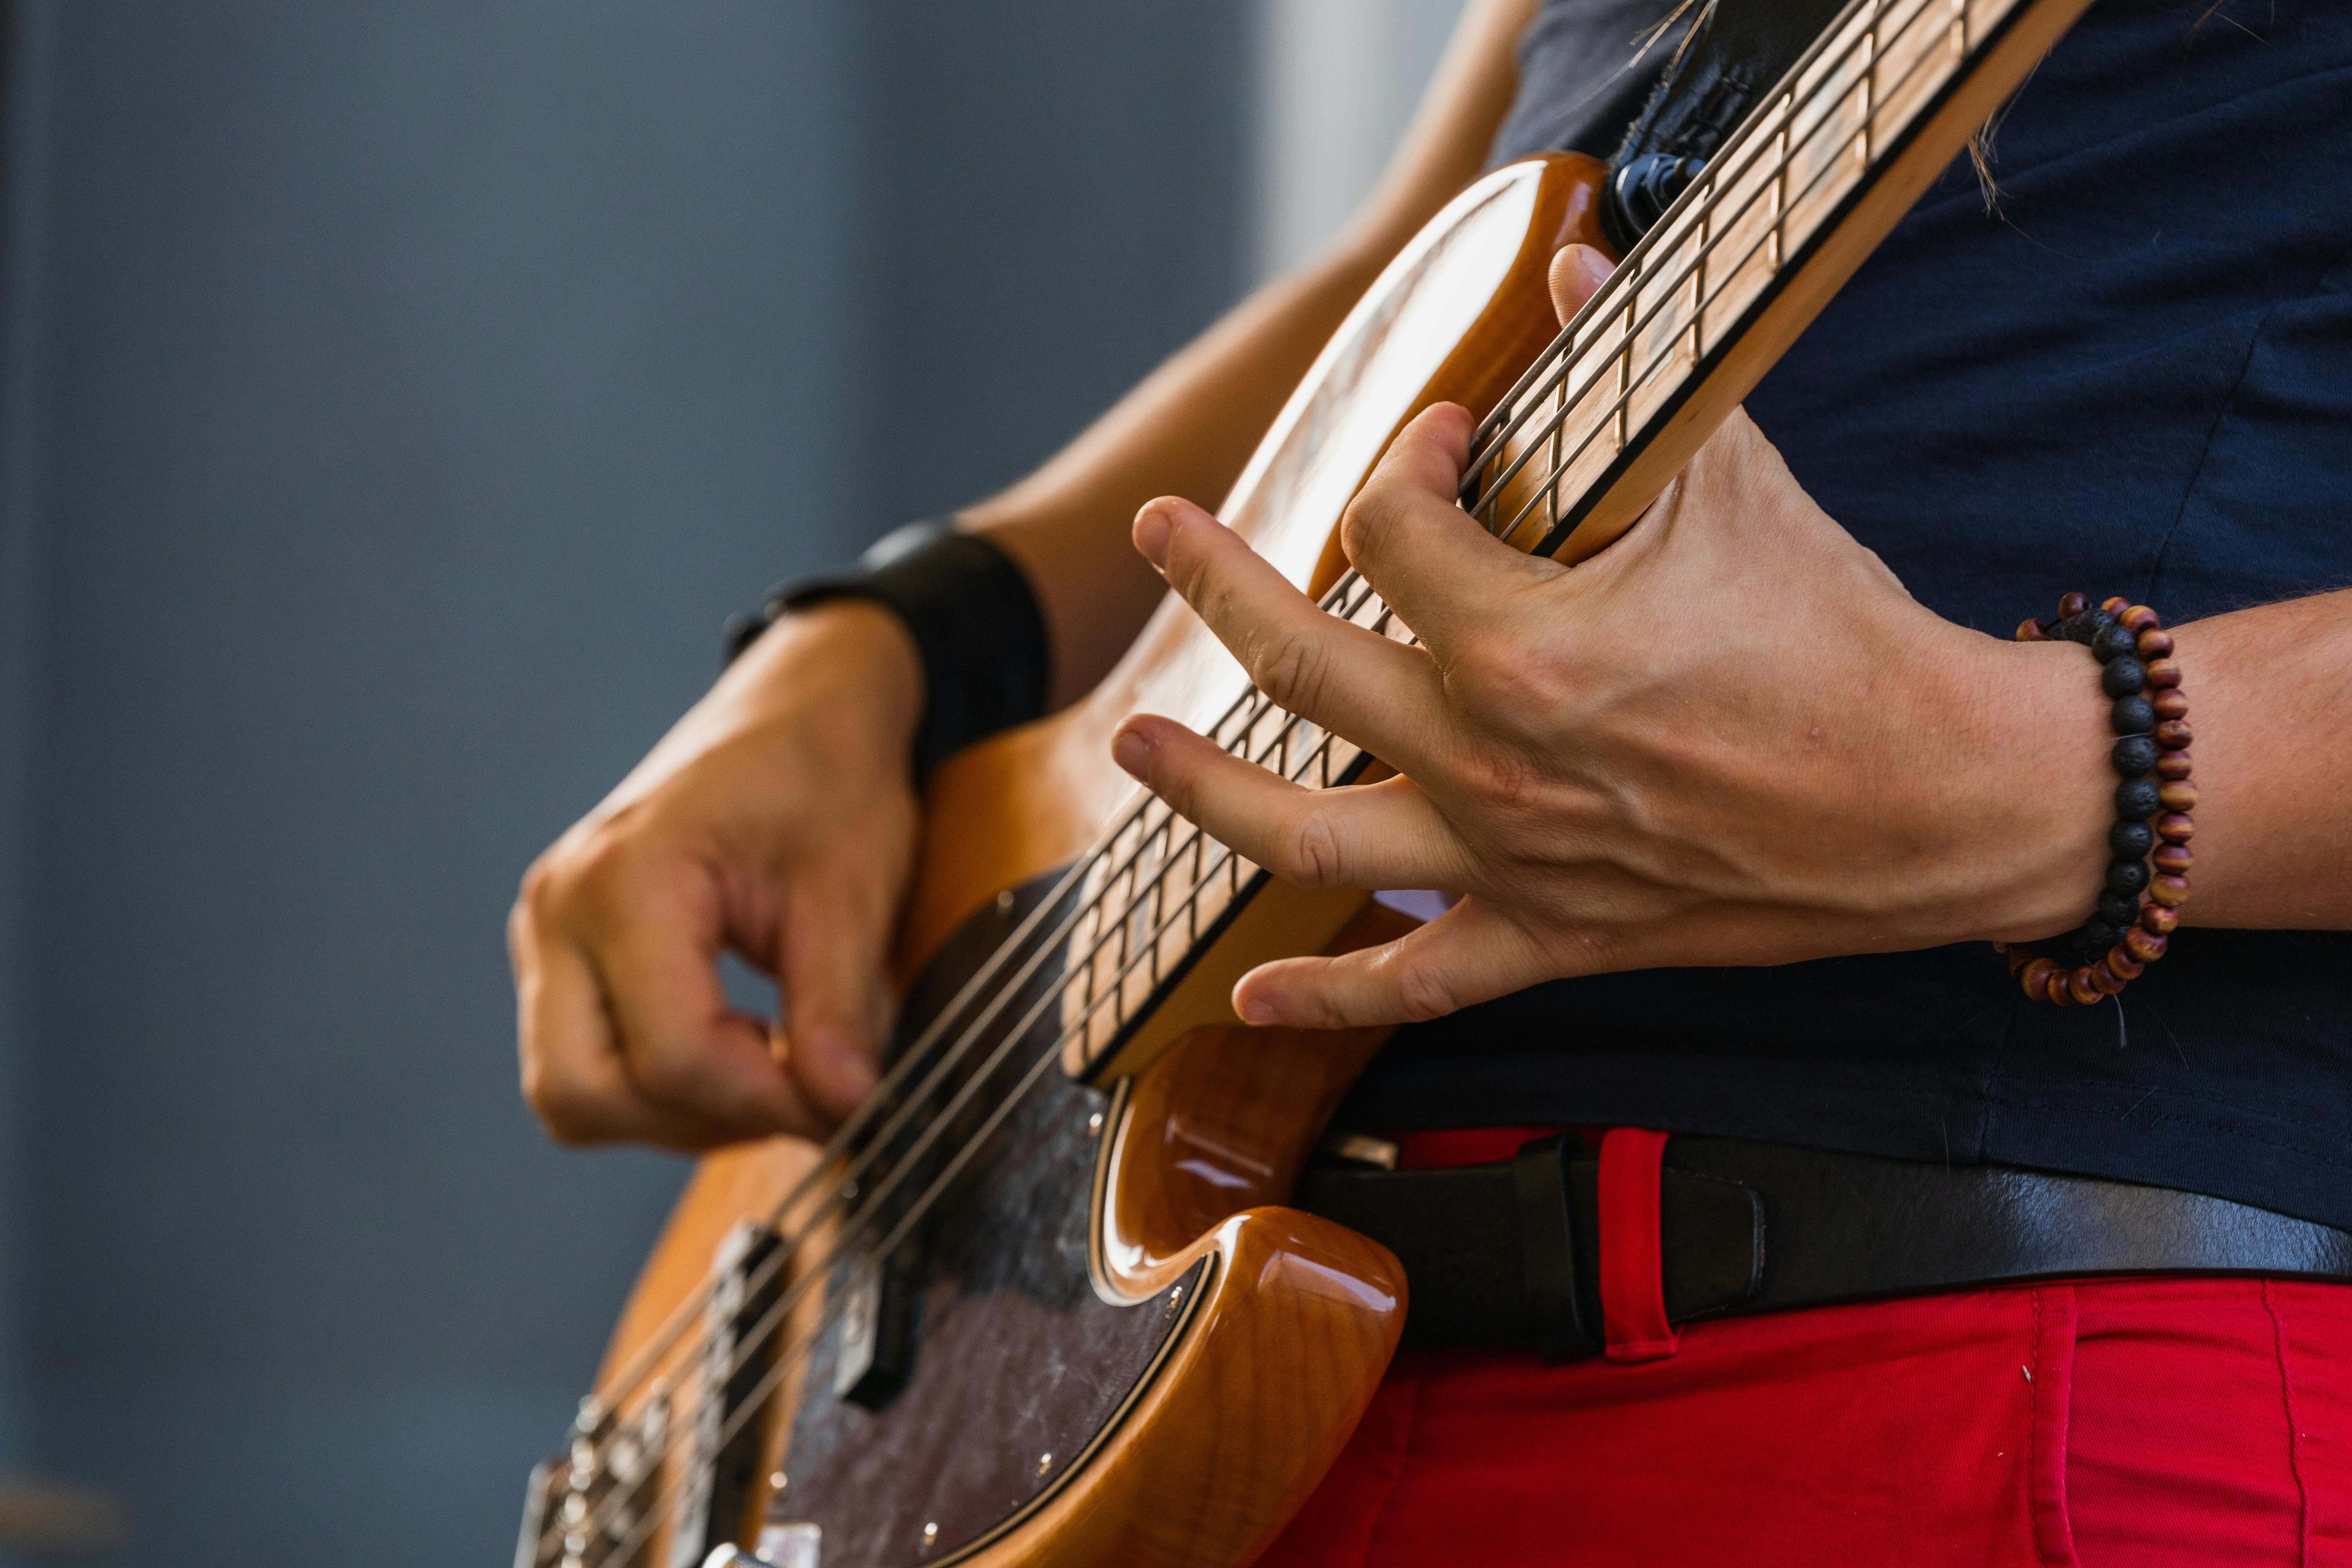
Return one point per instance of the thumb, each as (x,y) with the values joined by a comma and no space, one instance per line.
(1470,954)
(1578,271)
(833,951)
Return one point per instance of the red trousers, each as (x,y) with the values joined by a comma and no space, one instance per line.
(2105,1424)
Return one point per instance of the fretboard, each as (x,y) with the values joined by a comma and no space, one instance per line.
(1806,186)
(1788,180)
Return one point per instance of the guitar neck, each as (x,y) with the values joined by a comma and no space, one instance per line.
(1710,298)
(1690,321)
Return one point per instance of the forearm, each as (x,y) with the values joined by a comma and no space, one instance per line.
(2273,716)
(1186,430)
(1191,425)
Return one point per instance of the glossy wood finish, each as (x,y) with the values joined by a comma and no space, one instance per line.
(1221,1121)
(733,1185)
(1720,297)
(1294,1319)
(1457,317)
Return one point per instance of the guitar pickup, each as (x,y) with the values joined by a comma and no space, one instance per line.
(880,1313)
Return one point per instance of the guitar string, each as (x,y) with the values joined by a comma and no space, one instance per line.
(789,1355)
(772,1320)
(1557,355)
(634,1373)
(1256,705)
(616,1389)
(788,1248)
(1757,140)
(1750,141)
(1158,883)
(1157,886)
(1563,406)
(1675,230)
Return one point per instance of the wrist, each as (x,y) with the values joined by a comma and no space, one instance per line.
(852,658)
(2036,790)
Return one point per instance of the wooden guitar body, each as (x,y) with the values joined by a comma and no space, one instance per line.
(1039,1306)
(1123,1352)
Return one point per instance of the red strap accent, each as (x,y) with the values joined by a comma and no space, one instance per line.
(1430,1148)
(1632,1275)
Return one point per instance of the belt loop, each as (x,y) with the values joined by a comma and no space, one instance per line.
(1632,1270)
(1548,1258)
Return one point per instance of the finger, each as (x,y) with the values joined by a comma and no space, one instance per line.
(1387,835)
(1377,692)
(831,966)
(573,1077)
(1470,954)
(1578,271)
(656,957)
(1429,560)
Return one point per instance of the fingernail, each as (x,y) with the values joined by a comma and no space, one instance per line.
(1257,1011)
(844,1056)
(1131,752)
(1592,264)
(1151,536)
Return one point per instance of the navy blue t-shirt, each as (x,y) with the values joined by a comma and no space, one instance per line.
(2134,377)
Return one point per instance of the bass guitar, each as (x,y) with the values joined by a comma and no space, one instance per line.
(1039,1304)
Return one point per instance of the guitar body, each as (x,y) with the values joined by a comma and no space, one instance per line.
(1040,1306)
(1123,1350)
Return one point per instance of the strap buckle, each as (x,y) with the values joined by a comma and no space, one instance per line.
(1557,1274)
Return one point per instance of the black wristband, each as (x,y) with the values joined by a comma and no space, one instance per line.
(987,665)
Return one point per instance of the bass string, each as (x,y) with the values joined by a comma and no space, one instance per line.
(641,1365)
(1741,153)
(1714,193)
(1156,886)
(1514,417)
(1701,206)
(790,1249)
(1490,492)
(771,1322)
(1867,125)
(1563,367)
(774,1318)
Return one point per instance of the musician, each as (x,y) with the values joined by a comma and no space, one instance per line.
(1731,811)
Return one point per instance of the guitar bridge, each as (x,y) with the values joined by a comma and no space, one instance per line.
(741,1329)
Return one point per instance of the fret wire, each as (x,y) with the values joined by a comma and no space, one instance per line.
(1777,185)
(632,1379)
(1733,164)
(1321,751)
(1491,498)
(973,1032)
(774,1317)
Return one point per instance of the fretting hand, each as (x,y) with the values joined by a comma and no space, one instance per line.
(1730,738)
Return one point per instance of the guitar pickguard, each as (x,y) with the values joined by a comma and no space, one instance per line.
(1017,1367)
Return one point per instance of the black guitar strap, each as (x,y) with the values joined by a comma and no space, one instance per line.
(1734,53)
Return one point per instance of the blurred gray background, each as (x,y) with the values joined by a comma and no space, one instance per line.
(393,399)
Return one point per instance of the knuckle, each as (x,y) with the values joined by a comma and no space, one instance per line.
(1422,990)
(569,1115)
(1308,856)
(667,1075)
(538,894)
(1512,688)
(1288,667)
(596,865)
(1368,520)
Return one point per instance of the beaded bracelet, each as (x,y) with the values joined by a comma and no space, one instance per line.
(2151,718)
